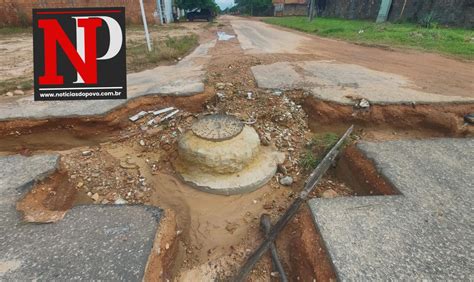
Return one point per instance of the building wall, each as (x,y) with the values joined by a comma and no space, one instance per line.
(19,12)
(295,10)
(446,12)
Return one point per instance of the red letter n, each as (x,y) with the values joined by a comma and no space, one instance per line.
(54,33)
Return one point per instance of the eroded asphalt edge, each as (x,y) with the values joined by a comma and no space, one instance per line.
(368,237)
(183,79)
(425,233)
(105,242)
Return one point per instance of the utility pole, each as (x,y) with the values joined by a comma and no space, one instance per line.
(145,25)
(160,11)
(312,3)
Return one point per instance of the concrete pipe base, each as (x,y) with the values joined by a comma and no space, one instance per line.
(220,155)
(253,176)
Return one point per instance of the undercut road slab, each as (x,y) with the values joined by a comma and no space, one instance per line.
(429,72)
(426,232)
(94,242)
(347,83)
(183,79)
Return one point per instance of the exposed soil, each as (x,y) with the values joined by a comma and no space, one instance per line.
(436,120)
(356,169)
(20,135)
(162,257)
(307,256)
(108,159)
(49,200)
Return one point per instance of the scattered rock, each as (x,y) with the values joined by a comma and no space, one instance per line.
(363,104)
(265,141)
(286,181)
(9,94)
(142,142)
(153,131)
(277,93)
(120,201)
(268,206)
(128,165)
(231,227)
(220,95)
(220,85)
(282,169)
(95,197)
(469,118)
(19,92)
(86,153)
(328,194)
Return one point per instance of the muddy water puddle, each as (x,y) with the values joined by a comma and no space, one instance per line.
(53,140)
(210,226)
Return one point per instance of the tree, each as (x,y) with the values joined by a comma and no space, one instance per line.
(198,4)
(254,7)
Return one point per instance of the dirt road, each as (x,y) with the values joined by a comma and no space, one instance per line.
(431,72)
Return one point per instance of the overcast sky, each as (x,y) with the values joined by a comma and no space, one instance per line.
(225,3)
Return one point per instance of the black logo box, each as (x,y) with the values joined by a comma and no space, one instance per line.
(111,73)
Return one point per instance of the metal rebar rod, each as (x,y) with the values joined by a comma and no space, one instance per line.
(311,183)
(266,225)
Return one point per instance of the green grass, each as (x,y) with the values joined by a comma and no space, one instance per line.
(319,145)
(14,30)
(11,84)
(138,57)
(451,41)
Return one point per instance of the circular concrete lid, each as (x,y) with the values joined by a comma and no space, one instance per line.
(217,127)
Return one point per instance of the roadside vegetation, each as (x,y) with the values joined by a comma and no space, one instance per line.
(452,41)
(169,49)
(252,7)
(165,50)
(14,30)
(319,145)
(21,83)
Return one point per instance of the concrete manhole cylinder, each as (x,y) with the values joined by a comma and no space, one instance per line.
(221,155)
(226,156)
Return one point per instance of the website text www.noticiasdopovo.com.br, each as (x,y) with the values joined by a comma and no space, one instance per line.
(84,94)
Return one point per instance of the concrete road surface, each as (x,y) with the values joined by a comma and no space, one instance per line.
(421,71)
(92,242)
(257,37)
(425,233)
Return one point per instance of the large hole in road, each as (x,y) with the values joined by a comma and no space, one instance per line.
(211,235)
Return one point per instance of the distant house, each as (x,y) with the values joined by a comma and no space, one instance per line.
(290,7)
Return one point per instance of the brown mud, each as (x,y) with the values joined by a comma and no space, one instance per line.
(204,236)
(18,136)
(436,120)
(49,200)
